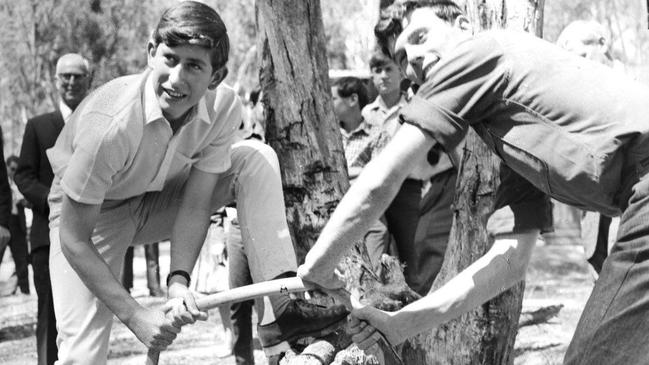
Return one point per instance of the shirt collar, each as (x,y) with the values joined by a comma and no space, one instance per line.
(65,110)
(379,104)
(152,111)
(362,127)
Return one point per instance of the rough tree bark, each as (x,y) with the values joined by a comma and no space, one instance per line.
(300,122)
(485,335)
(301,128)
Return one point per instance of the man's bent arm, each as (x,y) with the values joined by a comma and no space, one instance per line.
(365,201)
(34,190)
(77,224)
(501,267)
(192,221)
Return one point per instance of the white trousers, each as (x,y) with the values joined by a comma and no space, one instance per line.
(253,181)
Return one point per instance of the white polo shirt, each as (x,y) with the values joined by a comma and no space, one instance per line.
(117,144)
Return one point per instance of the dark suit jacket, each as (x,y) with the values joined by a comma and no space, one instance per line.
(34,175)
(5,190)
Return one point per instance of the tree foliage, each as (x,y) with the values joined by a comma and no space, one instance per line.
(113,34)
(624,19)
(110,34)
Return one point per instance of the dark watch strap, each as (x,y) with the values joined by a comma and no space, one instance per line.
(182,273)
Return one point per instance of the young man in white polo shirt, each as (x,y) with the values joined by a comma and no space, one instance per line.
(149,157)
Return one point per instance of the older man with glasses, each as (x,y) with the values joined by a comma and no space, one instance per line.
(34,177)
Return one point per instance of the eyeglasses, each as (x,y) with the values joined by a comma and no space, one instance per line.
(67,77)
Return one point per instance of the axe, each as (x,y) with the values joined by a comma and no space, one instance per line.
(262,289)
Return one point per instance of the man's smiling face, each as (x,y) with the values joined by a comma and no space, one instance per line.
(181,76)
(423,41)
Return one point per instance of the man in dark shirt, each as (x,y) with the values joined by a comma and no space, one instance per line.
(575,129)
(5,198)
(18,231)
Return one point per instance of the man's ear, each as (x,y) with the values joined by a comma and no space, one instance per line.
(150,52)
(353,99)
(463,23)
(217,77)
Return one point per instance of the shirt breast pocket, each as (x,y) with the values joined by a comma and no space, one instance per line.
(527,165)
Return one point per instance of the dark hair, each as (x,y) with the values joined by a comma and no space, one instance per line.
(194,23)
(380,59)
(385,31)
(388,29)
(12,158)
(347,86)
(444,9)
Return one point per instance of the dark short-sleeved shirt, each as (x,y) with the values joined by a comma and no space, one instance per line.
(518,206)
(575,129)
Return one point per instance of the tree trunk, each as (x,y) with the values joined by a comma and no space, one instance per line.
(301,128)
(485,335)
(300,123)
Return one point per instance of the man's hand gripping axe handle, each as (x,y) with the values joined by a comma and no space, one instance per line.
(241,294)
(262,289)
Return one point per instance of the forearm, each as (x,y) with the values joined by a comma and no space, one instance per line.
(361,206)
(500,268)
(367,199)
(77,225)
(192,221)
(97,276)
(188,236)
(27,176)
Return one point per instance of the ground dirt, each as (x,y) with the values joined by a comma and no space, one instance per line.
(558,275)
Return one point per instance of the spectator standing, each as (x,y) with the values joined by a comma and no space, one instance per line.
(5,199)
(18,231)
(361,141)
(252,127)
(590,40)
(34,178)
(210,275)
(386,77)
(151,255)
(403,213)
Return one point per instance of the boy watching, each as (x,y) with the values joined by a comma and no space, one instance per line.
(360,138)
(149,157)
(361,141)
(386,77)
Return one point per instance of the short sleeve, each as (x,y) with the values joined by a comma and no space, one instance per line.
(98,152)
(228,111)
(520,206)
(461,91)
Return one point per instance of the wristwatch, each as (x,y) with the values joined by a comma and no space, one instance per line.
(182,273)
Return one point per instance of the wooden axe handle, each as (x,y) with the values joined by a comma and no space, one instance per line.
(241,294)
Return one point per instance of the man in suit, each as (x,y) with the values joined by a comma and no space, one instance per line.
(18,232)
(34,177)
(5,199)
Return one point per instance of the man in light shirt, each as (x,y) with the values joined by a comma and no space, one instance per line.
(150,157)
